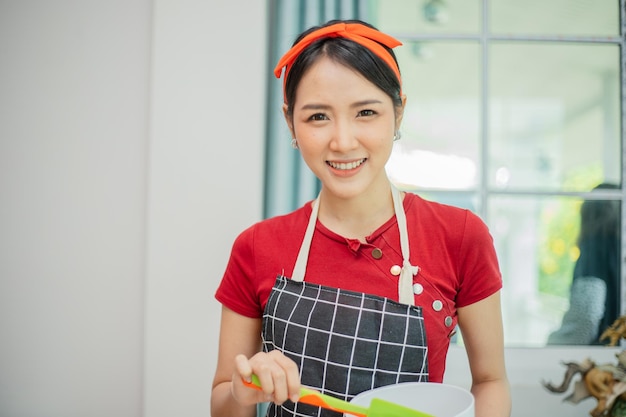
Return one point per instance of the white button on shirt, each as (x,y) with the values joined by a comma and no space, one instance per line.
(418,289)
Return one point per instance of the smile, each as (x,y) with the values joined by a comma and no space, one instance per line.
(346,165)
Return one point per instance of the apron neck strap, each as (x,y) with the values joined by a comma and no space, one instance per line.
(300,268)
(405,283)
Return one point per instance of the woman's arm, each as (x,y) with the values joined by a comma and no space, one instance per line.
(581,321)
(481,329)
(239,357)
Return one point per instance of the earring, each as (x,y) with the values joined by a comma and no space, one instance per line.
(294,143)
(397,136)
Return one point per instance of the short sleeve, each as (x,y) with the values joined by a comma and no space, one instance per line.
(236,290)
(479,272)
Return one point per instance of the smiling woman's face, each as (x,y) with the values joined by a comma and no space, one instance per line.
(344,126)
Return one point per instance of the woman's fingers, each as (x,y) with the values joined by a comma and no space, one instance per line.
(278,375)
(242,366)
(292,377)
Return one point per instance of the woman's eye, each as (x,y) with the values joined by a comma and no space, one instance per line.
(364,113)
(318,116)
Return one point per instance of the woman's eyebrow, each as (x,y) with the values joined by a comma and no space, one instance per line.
(315,106)
(365,103)
(319,106)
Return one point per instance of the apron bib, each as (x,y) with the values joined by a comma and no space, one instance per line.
(345,342)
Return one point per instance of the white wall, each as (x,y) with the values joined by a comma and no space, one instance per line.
(206,154)
(74,80)
(121,194)
(131,144)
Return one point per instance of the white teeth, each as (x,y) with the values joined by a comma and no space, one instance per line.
(344,165)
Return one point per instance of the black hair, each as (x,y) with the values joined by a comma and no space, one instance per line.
(599,244)
(346,52)
(600,218)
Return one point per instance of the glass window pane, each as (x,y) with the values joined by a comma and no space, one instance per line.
(440,130)
(553,131)
(429,16)
(467,200)
(540,249)
(555,17)
(554,120)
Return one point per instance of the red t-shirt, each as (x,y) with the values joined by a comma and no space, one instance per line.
(451,246)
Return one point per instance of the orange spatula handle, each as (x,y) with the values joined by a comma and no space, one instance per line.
(313,397)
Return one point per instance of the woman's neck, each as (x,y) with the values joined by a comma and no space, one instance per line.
(357,217)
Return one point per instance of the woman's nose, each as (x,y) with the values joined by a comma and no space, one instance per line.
(343,137)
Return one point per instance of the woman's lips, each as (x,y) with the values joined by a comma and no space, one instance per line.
(345,166)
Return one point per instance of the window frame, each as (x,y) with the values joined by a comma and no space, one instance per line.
(485,38)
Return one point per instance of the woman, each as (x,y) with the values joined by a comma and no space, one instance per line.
(364,286)
(594,302)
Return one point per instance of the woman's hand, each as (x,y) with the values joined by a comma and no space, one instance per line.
(240,339)
(279,377)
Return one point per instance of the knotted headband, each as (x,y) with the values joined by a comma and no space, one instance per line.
(361,34)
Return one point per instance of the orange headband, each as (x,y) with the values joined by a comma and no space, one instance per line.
(361,34)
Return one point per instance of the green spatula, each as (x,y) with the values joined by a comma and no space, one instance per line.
(377,408)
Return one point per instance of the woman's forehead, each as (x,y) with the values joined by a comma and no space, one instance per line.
(327,77)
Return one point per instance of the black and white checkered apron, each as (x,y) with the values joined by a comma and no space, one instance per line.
(345,342)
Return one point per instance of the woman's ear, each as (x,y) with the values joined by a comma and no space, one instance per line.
(400,112)
(288,119)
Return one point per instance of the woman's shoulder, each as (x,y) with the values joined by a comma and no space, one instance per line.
(444,218)
(278,226)
(270,246)
(414,203)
